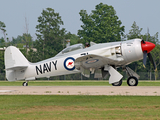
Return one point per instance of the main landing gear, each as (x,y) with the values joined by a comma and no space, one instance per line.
(117,83)
(133,77)
(131,81)
(25,83)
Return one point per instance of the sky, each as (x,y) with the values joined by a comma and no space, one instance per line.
(13,13)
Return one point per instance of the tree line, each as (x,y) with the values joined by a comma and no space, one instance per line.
(100,26)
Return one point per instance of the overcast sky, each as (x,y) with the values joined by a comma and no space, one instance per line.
(13,13)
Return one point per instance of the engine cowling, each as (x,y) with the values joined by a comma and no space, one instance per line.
(132,50)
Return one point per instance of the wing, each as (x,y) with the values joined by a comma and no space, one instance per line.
(93,61)
(99,66)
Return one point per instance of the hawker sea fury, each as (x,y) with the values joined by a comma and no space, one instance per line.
(98,59)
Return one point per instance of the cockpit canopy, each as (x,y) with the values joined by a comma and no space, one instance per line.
(71,48)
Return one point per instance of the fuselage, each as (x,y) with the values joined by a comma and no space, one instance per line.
(124,52)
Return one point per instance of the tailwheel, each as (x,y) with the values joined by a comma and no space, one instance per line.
(119,83)
(24,84)
(132,81)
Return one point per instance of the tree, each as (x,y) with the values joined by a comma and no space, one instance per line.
(2,27)
(74,39)
(2,42)
(156,50)
(49,37)
(18,41)
(135,32)
(102,25)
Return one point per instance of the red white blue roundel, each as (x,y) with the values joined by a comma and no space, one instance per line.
(69,63)
(92,61)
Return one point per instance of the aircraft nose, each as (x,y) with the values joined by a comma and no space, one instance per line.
(147,46)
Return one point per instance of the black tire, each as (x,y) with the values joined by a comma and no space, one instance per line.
(24,84)
(132,81)
(117,83)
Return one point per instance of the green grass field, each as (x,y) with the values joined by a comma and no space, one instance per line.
(75,83)
(59,107)
(79,107)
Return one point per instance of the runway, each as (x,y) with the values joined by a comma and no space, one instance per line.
(80,90)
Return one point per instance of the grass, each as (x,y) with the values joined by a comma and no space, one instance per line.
(31,107)
(63,107)
(75,83)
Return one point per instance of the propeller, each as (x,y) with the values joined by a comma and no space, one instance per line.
(144,58)
(147,47)
(152,61)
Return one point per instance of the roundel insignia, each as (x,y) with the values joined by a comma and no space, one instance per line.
(69,63)
(92,61)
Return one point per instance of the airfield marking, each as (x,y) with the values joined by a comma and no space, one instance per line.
(80,90)
(3,91)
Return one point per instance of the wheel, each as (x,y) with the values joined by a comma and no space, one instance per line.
(117,83)
(24,84)
(132,81)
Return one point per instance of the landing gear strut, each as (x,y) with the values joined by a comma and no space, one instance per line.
(25,83)
(133,77)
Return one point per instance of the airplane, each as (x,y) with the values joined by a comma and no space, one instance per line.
(99,60)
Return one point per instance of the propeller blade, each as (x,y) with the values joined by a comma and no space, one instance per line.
(144,58)
(152,61)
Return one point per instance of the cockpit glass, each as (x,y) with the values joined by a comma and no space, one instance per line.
(73,48)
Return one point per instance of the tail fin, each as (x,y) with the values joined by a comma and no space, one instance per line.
(14,63)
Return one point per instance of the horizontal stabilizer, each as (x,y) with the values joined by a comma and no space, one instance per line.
(17,68)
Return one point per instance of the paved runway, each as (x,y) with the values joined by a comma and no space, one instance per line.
(80,90)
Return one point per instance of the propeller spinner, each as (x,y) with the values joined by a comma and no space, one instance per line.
(147,47)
